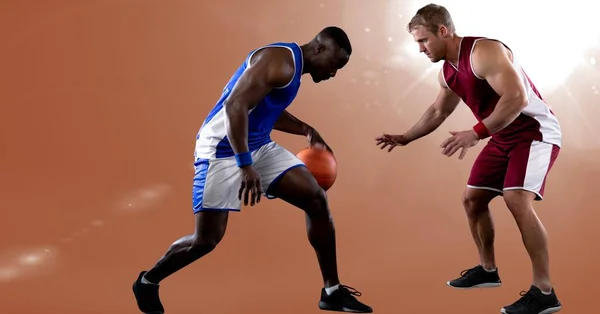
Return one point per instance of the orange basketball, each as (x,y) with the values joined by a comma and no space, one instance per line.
(322,164)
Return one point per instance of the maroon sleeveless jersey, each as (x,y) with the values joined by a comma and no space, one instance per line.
(536,121)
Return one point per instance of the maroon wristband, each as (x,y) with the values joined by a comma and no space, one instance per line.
(481,130)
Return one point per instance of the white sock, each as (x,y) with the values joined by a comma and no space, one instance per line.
(490,270)
(331,289)
(546,293)
(145,281)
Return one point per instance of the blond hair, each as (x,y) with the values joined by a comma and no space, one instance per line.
(432,16)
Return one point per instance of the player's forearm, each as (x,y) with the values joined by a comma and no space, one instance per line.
(289,124)
(506,111)
(237,127)
(429,122)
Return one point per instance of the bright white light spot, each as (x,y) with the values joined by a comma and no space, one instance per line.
(367,29)
(593,61)
(412,49)
(25,262)
(390,39)
(30,259)
(143,198)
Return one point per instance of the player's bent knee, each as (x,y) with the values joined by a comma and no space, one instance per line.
(475,201)
(205,243)
(316,204)
(519,201)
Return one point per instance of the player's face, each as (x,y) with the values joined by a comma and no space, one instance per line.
(328,60)
(430,44)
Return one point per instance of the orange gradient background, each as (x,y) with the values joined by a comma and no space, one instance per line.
(100,102)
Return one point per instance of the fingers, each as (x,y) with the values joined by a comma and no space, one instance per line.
(258,194)
(463,153)
(383,138)
(385,141)
(447,141)
(251,191)
(391,145)
(453,149)
(319,145)
(450,146)
(249,187)
(242,188)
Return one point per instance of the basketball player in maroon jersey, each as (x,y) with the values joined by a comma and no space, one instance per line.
(525,141)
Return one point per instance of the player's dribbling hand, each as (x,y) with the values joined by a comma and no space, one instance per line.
(391,141)
(251,188)
(315,140)
(459,140)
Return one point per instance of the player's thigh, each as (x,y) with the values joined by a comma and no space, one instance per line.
(489,169)
(529,165)
(216,185)
(273,162)
(299,187)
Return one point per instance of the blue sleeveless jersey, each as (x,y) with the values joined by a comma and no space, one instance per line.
(211,140)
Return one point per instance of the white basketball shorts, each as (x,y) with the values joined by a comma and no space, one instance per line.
(217,181)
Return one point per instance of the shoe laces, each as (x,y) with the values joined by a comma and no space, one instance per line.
(527,299)
(351,291)
(467,272)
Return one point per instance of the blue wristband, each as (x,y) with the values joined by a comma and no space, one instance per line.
(243,159)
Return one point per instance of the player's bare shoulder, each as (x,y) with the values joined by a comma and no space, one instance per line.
(489,56)
(486,47)
(278,62)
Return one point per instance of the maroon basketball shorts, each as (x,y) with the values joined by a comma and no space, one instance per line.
(522,166)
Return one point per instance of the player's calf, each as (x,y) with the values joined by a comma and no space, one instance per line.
(534,235)
(210,229)
(299,188)
(475,202)
(485,275)
(321,234)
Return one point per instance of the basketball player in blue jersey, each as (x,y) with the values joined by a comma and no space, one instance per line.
(237,160)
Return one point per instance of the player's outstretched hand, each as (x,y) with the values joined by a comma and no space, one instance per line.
(459,140)
(250,189)
(391,141)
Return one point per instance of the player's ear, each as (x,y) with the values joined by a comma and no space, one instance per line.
(319,48)
(443,31)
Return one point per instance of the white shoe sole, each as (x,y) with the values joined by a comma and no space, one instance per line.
(479,286)
(546,311)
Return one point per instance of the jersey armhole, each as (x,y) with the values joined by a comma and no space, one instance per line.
(473,48)
(471,59)
(276,46)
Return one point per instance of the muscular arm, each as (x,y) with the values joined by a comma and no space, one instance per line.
(436,114)
(492,61)
(289,124)
(269,68)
